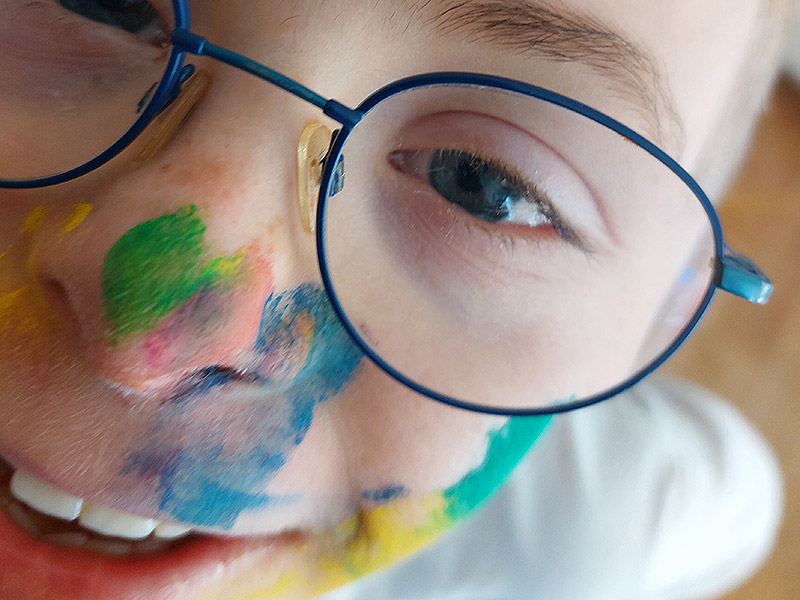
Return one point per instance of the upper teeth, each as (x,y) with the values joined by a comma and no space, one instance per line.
(46,499)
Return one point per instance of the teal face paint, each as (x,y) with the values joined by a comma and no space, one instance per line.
(506,448)
(157,267)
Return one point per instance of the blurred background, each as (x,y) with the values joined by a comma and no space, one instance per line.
(751,354)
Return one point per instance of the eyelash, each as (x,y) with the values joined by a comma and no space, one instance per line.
(512,179)
(152,31)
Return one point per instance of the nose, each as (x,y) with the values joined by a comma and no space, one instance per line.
(169,273)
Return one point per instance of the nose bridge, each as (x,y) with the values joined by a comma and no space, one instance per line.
(172,269)
(235,158)
(197,45)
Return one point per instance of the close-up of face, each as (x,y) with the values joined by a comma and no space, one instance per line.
(187,412)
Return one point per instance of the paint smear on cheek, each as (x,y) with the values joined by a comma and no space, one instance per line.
(211,456)
(157,267)
(385,534)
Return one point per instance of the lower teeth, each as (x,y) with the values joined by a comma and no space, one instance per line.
(68,534)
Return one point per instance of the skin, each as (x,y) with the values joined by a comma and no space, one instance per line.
(353,460)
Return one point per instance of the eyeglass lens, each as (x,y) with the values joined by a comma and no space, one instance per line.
(74,77)
(510,253)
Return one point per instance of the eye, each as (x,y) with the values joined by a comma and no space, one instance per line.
(483,188)
(478,187)
(138,17)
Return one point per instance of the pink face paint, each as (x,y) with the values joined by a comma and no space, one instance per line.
(171,303)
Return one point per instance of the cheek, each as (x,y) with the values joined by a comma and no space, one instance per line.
(411,440)
(428,466)
(395,442)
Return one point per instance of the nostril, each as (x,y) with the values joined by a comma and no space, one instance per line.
(57,298)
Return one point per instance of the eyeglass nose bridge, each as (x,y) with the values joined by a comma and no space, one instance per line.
(191,43)
(316,142)
(740,276)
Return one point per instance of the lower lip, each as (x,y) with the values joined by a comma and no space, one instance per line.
(32,569)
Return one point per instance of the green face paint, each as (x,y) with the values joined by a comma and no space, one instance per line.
(157,267)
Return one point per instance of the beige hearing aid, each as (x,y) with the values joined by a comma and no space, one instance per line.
(163,127)
(311,150)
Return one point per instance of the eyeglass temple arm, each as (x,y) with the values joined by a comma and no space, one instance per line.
(194,44)
(740,276)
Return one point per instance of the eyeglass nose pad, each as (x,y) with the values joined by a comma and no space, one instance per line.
(311,151)
(191,87)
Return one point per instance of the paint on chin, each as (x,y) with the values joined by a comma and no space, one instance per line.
(390,532)
(211,458)
(403,524)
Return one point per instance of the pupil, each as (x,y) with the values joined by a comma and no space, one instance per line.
(471,183)
(133,16)
(469,177)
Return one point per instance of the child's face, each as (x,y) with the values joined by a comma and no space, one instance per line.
(338,469)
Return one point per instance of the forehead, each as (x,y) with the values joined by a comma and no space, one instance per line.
(664,68)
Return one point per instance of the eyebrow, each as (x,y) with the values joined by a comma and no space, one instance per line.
(530,27)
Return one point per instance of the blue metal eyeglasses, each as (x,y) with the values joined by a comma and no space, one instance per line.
(489,244)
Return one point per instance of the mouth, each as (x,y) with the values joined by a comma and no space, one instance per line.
(54,517)
(103,554)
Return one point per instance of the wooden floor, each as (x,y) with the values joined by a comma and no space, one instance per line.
(751,354)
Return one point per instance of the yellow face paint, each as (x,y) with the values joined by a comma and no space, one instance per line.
(78,215)
(24,308)
(34,221)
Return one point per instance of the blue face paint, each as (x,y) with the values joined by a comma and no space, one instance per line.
(385,493)
(208,474)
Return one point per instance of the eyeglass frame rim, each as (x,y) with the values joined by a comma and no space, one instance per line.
(175,74)
(502,83)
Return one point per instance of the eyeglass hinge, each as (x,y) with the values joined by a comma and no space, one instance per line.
(740,276)
(188,41)
(344,115)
